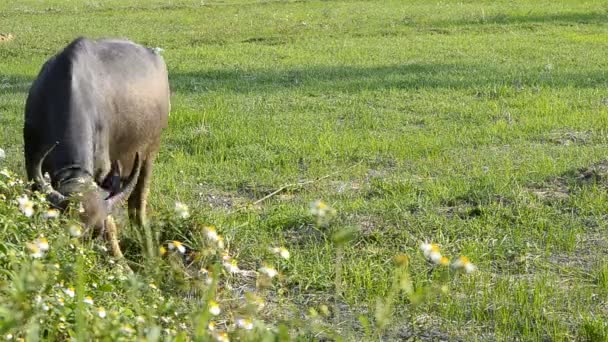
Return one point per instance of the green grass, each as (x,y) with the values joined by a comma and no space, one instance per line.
(467,124)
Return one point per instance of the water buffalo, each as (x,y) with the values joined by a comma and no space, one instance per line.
(96,108)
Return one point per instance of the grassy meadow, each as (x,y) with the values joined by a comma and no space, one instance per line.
(480,126)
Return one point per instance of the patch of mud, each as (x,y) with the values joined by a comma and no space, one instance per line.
(570,138)
(559,188)
(6,37)
(255,192)
(467,207)
(343,187)
(303,234)
(591,247)
(266,41)
(465,211)
(217,199)
(596,173)
(425,328)
(554,190)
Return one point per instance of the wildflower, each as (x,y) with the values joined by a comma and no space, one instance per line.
(25,205)
(162,250)
(152,286)
(88,300)
(181,210)
(211,233)
(43,244)
(221,337)
(101,312)
(127,330)
(2,154)
(178,246)
(426,248)
(244,323)
(444,261)
(169,332)
(214,308)
(140,319)
(464,263)
(45,307)
(431,252)
(220,242)
(281,251)
(208,276)
(75,231)
(211,326)
(320,209)
(70,292)
(269,271)
(231,266)
(35,251)
(38,248)
(51,214)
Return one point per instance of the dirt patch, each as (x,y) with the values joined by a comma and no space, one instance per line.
(464,211)
(6,37)
(596,173)
(590,248)
(559,188)
(217,199)
(266,41)
(343,187)
(553,190)
(469,206)
(570,138)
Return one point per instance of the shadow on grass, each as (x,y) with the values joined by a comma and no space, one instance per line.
(14,84)
(568,18)
(350,78)
(406,76)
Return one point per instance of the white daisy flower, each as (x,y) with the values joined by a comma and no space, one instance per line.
(182,210)
(244,323)
(269,271)
(51,214)
(176,245)
(214,308)
(70,292)
(26,206)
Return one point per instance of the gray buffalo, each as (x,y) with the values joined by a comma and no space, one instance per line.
(97,108)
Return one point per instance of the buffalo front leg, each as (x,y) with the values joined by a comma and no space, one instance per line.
(139,197)
(111,235)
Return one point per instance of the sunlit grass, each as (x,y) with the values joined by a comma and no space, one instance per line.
(478,127)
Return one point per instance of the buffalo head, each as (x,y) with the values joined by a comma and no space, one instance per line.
(96,203)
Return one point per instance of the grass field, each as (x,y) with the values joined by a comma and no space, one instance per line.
(477,125)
